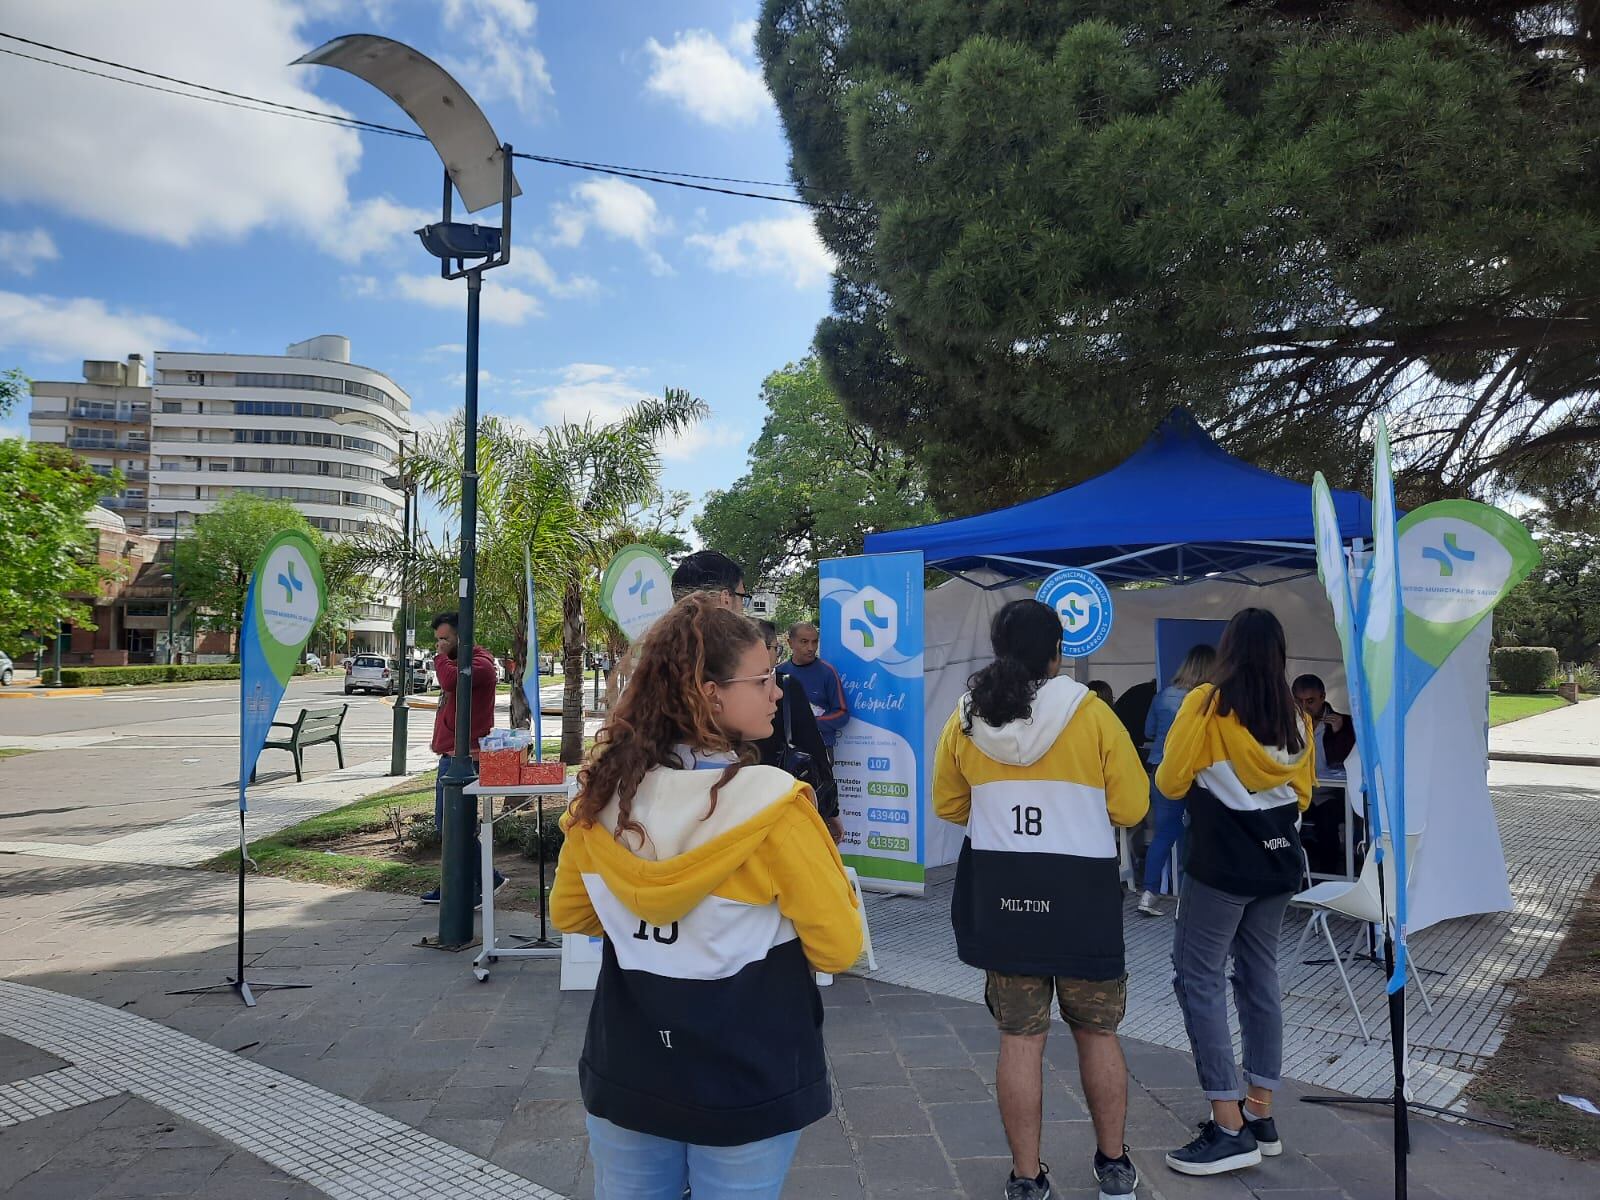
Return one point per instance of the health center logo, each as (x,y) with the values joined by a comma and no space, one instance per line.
(1083,603)
(869,622)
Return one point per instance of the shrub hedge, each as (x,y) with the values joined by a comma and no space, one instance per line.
(125,676)
(1525,669)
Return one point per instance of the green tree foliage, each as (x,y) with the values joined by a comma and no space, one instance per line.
(13,386)
(214,563)
(571,495)
(48,568)
(818,482)
(1056,220)
(1559,604)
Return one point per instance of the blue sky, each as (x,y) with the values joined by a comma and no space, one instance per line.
(132,221)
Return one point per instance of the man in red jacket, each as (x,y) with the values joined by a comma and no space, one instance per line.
(444,721)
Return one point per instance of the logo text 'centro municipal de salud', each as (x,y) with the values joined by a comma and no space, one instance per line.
(1083,603)
(869,623)
(289,583)
(1450,551)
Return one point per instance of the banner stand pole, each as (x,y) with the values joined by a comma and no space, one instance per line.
(238,983)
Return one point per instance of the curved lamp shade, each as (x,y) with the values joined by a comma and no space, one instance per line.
(438,104)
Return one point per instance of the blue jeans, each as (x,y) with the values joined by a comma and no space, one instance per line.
(637,1166)
(1168,816)
(1214,925)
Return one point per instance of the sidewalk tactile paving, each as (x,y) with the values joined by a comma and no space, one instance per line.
(1552,848)
(346,1150)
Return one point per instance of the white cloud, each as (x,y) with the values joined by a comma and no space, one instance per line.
(601,393)
(21,251)
(55,327)
(713,80)
(528,265)
(505,64)
(451,348)
(374,226)
(617,209)
(787,246)
(162,167)
(502,303)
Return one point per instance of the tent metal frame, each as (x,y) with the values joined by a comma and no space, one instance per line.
(1196,562)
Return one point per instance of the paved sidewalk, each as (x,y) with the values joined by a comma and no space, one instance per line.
(1564,735)
(439,1086)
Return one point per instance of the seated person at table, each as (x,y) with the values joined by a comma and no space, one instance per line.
(1335,737)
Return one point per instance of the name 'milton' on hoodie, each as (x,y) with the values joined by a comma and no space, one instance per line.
(1037,889)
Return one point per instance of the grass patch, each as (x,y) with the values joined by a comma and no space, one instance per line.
(1504,707)
(13,751)
(294,853)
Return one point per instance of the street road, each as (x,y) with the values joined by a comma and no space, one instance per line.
(112,764)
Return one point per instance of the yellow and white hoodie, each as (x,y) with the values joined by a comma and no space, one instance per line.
(1244,799)
(1037,890)
(706,1025)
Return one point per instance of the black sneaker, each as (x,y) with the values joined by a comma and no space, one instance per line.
(1216,1151)
(430,897)
(1265,1131)
(1116,1176)
(1029,1189)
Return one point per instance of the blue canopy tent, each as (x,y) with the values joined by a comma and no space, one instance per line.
(1179,509)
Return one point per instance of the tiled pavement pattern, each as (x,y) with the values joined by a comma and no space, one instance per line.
(1552,844)
(488,1071)
(345,1150)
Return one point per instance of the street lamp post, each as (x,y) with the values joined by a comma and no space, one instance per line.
(402,703)
(479,167)
(172,597)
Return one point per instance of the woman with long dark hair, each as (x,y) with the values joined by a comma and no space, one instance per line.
(719,892)
(1041,773)
(1238,754)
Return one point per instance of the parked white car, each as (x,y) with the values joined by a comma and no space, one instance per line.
(313,662)
(371,673)
(6,670)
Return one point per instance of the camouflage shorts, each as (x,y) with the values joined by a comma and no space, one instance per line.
(1021,1003)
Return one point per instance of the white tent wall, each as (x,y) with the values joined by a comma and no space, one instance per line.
(1129,654)
(1460,867)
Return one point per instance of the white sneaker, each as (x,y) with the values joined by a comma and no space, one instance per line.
(1148,905)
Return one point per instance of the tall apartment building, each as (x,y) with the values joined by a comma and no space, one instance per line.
(208,425)
(106,420)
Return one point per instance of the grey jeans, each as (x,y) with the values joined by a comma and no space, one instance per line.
(1213,924)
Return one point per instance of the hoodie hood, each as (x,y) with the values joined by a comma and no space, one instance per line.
(1023,742)
(1260,768)
(686,855)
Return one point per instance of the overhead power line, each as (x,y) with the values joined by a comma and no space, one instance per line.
(215,95)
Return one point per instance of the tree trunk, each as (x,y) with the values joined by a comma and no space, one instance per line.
(521,714)
(572,639)
(620,659)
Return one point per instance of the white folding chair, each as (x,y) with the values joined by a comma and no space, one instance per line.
(1359,901)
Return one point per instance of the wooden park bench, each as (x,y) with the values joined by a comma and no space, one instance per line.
(311,728)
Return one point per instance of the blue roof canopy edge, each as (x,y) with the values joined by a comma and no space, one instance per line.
(1180,508)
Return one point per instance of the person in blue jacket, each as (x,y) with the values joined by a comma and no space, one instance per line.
(1168,814)
(820,681)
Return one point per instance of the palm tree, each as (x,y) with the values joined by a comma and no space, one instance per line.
(565,493)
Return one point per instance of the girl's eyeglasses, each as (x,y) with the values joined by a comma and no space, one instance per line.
(769,677)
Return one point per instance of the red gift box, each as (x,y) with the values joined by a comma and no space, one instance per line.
(500,768)
(543,773)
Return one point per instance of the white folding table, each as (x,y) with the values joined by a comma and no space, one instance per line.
(532,947)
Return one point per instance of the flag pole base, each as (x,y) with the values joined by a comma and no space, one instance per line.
(243,988)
